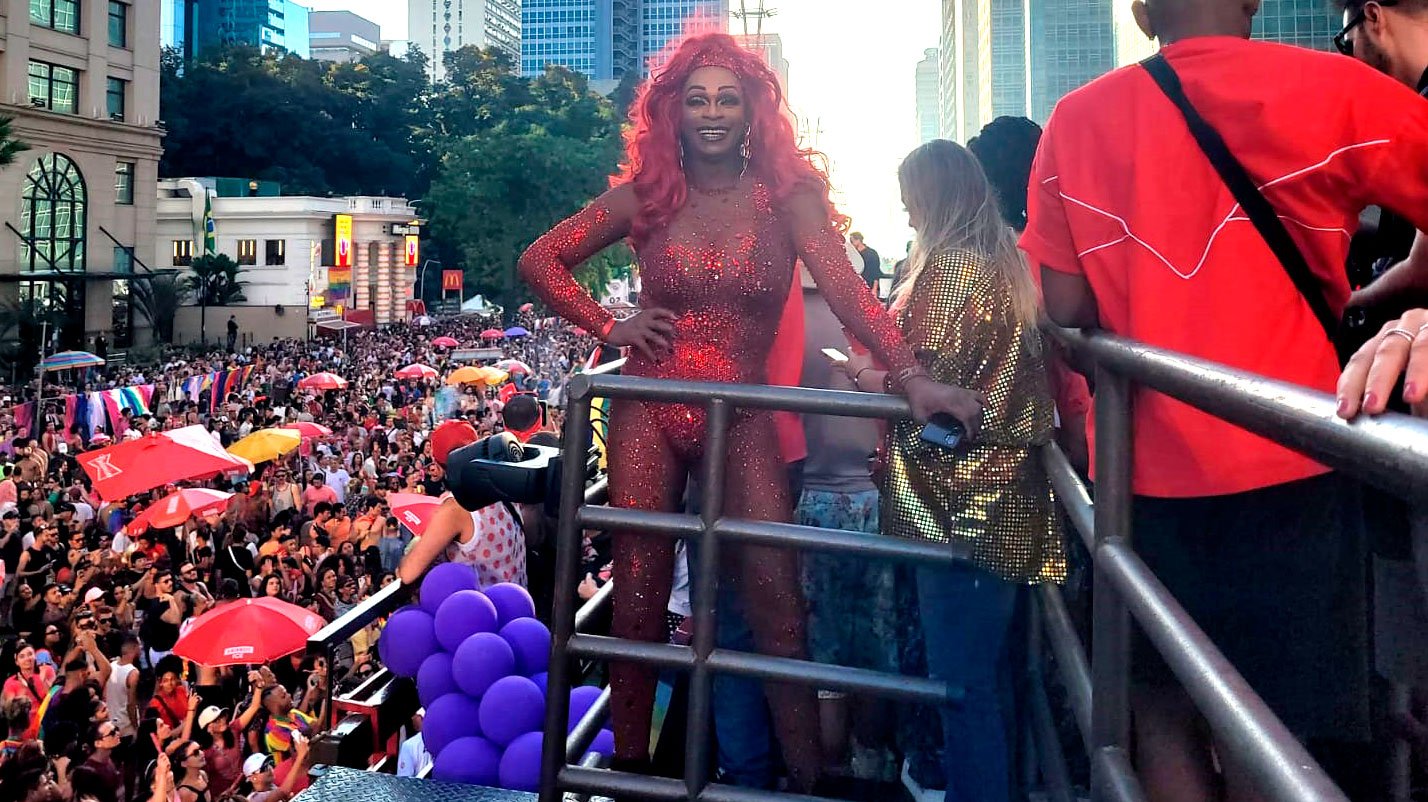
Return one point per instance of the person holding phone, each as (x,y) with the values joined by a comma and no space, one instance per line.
(968,308)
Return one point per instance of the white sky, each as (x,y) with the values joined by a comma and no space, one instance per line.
(851,69)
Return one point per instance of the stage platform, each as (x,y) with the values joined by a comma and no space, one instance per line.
(353,785)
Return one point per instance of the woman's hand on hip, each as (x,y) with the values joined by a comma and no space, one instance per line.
(651,332)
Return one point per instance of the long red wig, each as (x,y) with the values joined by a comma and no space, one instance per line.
(652,144)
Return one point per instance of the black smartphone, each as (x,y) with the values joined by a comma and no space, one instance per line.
(944,431)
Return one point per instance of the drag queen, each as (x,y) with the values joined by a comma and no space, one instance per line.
(718,201)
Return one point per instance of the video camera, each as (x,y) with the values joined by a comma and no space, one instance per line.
(501,468)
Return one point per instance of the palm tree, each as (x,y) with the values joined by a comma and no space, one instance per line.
(22,328)
(157,299)
(10,147)
(214,279)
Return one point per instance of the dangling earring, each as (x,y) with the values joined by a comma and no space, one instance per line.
(746,150)
(681,155)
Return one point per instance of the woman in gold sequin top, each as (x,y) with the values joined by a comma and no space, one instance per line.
(968,309)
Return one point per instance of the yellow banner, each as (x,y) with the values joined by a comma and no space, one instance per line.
(413,250)
(343,226)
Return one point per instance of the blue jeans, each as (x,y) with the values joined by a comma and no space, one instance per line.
(966,613)
(392,550)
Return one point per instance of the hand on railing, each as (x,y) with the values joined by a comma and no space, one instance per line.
(1399,349)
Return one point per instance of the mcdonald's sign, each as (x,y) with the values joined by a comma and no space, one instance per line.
(451,281)
(342,225)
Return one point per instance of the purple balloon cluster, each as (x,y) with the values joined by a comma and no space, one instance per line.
(479,660)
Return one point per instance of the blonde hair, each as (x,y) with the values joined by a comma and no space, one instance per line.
(951,202)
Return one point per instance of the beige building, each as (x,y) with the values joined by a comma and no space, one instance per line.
(289,248)
(81,80)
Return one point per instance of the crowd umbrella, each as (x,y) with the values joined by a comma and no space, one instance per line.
(517,331)
(417,371)
(179,506)
(322,381)
(266,445)
(247,631)
(154,460)
(308,430)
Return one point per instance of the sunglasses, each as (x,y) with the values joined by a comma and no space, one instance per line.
(1342,42)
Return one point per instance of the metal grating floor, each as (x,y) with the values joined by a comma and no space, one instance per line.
(353,785)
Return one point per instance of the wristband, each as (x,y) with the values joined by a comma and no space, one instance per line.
(604,333)
(859,375)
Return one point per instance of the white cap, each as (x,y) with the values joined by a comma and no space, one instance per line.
(209,715)
(92,595)
(257,764)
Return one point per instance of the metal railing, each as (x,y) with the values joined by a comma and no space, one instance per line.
(1390,451)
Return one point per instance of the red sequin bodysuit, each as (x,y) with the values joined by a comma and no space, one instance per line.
(724,265)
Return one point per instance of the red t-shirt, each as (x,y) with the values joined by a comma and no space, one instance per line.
(1121,195)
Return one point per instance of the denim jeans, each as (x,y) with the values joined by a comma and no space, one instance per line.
(966,613)
(392,550)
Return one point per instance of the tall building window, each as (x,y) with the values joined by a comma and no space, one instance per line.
(124,183)
(183,252)
(275,252)
(247,252)
(54,87)
(118,24)
(123,259)
(61,15)
(114,91)
(53,209)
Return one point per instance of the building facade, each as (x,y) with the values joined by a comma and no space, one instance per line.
(177,26)
(300,261)
(194,26)
(928,84)
(439,27)
(81,80)
(1304,23)
(605,39)
(342,36)
(982,64)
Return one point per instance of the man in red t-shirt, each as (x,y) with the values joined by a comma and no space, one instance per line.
(1136,233)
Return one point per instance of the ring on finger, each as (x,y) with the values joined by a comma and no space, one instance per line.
(1423,328)
(1405,334)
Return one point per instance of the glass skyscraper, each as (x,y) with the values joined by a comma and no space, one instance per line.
(197,25)
(604,39)
(439,27)
(1306,23)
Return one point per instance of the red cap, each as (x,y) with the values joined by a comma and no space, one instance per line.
(449,436)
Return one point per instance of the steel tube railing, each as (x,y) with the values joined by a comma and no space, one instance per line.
(1390,451)
(1070,656)
(699,729)
(1242,722)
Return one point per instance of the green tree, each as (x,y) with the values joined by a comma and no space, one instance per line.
(23,325)
(599,270)
(10,146)
(213,280)
(157,299)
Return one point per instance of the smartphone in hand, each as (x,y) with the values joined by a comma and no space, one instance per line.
(944,431)
(834,355)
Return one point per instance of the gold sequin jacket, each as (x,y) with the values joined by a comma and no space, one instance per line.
(993,495)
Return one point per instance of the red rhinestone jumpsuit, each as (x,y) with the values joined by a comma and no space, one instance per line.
(724,264)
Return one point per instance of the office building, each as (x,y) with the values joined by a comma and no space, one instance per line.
(605,39)
(81,81)
(275,26)
(928,126)
(1070,43)
(770,46)
(982,64)
(342,36)
(305,259)
(439,27)
(1304,23)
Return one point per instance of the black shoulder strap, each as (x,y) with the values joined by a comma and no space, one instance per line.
(1259,210)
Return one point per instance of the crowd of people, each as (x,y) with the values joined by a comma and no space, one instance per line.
(94,704)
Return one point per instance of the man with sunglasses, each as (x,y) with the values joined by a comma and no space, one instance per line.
(1392,37)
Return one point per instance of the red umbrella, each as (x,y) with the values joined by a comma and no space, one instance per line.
(308,430)
(247,631)
(322,381)
(177,507)
(445,342)
(134,466)
(513,366)
(417,371)
(527,307)
(493,334)
(414,510)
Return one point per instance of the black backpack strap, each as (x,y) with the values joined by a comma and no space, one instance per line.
(1243,188)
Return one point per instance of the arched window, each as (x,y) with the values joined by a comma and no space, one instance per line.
(52,216)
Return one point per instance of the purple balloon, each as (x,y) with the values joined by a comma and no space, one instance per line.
(408,639)
(444,580)
(520,765)
(480,661)
(542,680)
(463,614)
(512,707)
(474,761)
(530,640)
(581,700)
(434,680)
(604,744)
(449,718)
(512,601)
